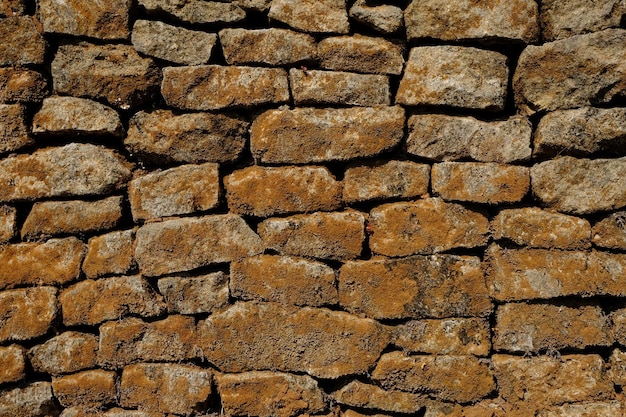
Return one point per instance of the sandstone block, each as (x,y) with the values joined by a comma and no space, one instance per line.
(424,227)
(383,18)
(562,19)
(352,413)
(13,8)
(91,302)
(104,20)
(586,409)
(360,53)
(454,76)
(448,138)
(193,295)
(310,135)
(22,42)
(113,412)
(266,191)
(318,16)
(274,46)
(358,394)
(13,129)
(269,394)
(112,253)
(320,342)
(163,137)
(618,321)
(338,235)
(579,71)
(34,400)
(190,243)
(214,87)
(12,364)
(617,367)
(65,353)
(260,6)
(22,85)
(7,223)
(196,11)
(26,313)
(609,231)
(283,279)
(88,388)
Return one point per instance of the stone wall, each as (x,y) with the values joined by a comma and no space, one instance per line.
(312,207)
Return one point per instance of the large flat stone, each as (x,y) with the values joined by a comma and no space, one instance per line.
(66,353)
(358,53)
(13,129)
(12,364)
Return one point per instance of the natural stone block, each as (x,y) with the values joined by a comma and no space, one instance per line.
(196,11)
(13,8)
(269,394)
(424,227)
(565,18)
(22,85)
(103,20)
(66,353)
(575,72)
(12,364)
(112,253)
(337,236)
(26,313)
(283,279)
(352,413)
(22,42)
(318,16)
(274,46)
(34,400)
(448,138)
(609,231)
(91,302)
(193,295)
(320,342)
(618,321)
(214,87)
(617,367)
(266,191)
(89,389)
(307,135)
(360,395)
(358,53)
(164,137)
(13,129)
(452,378)
(8,217)
(384,18)
(455,76)
(189,243)
(595,409)
(113,412)
(260,6)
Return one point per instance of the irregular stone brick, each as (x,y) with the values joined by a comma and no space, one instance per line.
(452,378)
(167,388)
(502,20)
(12,7)
(173,43)
(358,394)
(448,138)
(193,295)
(269,394)
(7,223)
(358,53)
(454,76)
(384,18)
(610,232)
(112,253)
(22,85)
(22,42)
(163,137)
(91,302)
(260,6)
(65,353)
(113,412)
(565,18)
(338,235)
(318,16)
(580,186)
(617,367)
(320,342)
(26,313)
(104,20)
(533,227)
(283,279)
(214,87)
(13,129)
(266,191)
(34,400)
(424,227)
(457,336)
(196,11)
(588,409)
(309,135)
(12,364)
(114,73)
(88,388)
(181,190)
(618,320)
(575,72)
(189,243)
(276,47)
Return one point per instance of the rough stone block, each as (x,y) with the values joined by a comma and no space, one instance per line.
(360,395)
(384,18)
(317,16)
(113,412)
(22,42)
(13,129)
(260,6)
(585,409)
(196,11)
(22,85)
(564,18)
(618,321)
(610,231)
(112,253)
(34,400)
(66,353)
(26,313)
(360,53)
(12,8)
(102,20)
(617,367)
(7,223)
(89,389)
(193,295)
(12,364)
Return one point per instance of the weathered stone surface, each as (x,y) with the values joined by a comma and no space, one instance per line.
(360,53)
(358,394)
(617,367)
(114,73)
(34,400)
(22,85)
(7,223)
(167,388)
(173,43)
(112,253)
(52,218)
(196,11)
(71,170)
(586,409)
(164,137)
(384,18)
(189,243)
(193,295)
(214,87)
(266,191)
(453,378)
(269,394)
(424,227)
(113,412)
(579,71)
(272,46)
(181,190)
(13,129)
(564,18)
(91,302)
(12,8)
(610,231)
(533,227)
(260,6)
(456,336)
(618,320)
(26,313)
(283,279)
(480,182)
(580,186)
(485,408)
(338,235)
(318,16)
(454,76)
(447,138)
(309,135)
(12,364)
(22,42)
(131,340)
(320,342)
(65,353)
(352,413)
(502,20)
(103,20)
(88,388)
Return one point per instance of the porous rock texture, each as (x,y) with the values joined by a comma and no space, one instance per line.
(312,208)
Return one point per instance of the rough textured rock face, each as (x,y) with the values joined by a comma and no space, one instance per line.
(66,353)
(562,19)
(87,389)
(22,43)
(22,85)
(196,11)
(12,363)
(358,394)
(609,232)
(360,54)
(112,253)
(27,313)
(192,295)
(384,18)
(34,400)
(13,129)
(324,16)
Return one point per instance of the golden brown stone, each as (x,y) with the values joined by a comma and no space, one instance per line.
(34,400)
(12,363)
(88,388)
(192,295)
(8,217)
(321,16)
(610,231)
(27,313)
(13,129)
(112,253)
(22,85)
(196,11)
(65,353)
(358,394)
(103,20)
(22,41)
(564,18)
(358,53)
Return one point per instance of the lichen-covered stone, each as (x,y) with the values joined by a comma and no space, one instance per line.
(617,367)
(12,364)
(22,85)
(13,130)
(12,8)
(22,42)
(34,400)
(358,53)
(102,20)
(88,389)
(8,218)
(193,295)
(360,395)
(318,16)
(26,313)
(585,409)
(113,412)
(196,11)
(384,18)
(610,231)
(564,18)
(112,253)
(66,353)
(260,6)
(618,321)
